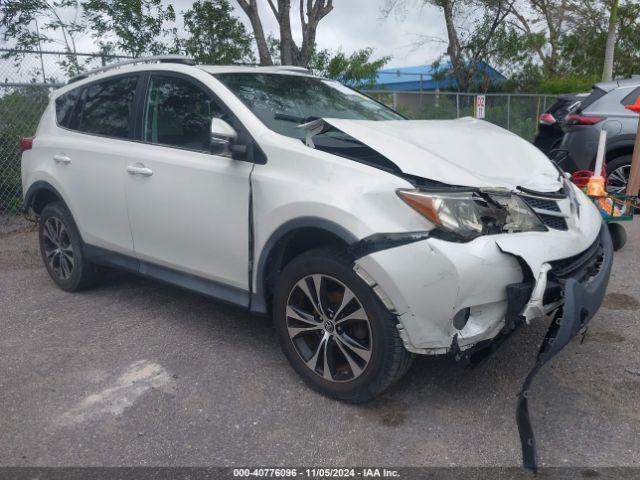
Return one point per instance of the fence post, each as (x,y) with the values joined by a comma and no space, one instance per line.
(457,105)
(508,112)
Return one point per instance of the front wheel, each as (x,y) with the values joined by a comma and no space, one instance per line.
(334,330)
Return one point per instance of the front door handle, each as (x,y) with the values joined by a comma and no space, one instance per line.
(139,170)
(61,158)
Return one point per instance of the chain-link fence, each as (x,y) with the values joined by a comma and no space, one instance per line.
(29,78)
(518,113)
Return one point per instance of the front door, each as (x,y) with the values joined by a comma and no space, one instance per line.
(189,209)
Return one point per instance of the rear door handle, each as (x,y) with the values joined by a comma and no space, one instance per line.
(139,170)
(61,158)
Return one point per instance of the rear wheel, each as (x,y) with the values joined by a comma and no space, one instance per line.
(618,171)
(334,330)
(61,249)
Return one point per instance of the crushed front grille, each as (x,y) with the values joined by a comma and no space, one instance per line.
(581,266)
(542,203)
(551,221)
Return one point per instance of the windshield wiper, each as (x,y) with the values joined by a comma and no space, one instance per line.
(293,118)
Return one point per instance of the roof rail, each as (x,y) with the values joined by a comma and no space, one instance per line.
(157,58)
(292,68)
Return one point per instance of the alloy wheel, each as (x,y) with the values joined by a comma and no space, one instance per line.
(329,328)
(618,179)
(58,249)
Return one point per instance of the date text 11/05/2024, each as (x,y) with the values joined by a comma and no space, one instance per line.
(316,472)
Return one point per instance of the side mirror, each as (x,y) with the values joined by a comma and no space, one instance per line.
(222,137)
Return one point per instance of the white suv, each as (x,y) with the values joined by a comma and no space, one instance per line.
(367,237)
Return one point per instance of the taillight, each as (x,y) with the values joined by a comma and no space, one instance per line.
(26,143)
(547,119)
(576,119)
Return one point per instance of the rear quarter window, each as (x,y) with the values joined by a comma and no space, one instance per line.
(593,97)
(65,107)
(631,98)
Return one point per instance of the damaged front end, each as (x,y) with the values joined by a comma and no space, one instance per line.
(499,249)
(571,291)
(579,283)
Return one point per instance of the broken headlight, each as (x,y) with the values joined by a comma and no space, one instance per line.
(465,215)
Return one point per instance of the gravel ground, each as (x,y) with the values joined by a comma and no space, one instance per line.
(137,373)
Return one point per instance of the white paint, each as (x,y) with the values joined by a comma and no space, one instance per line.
(137,379)
(466,151)
(428,281)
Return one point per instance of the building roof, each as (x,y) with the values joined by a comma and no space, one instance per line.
(421,77)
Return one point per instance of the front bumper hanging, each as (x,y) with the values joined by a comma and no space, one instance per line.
(584,289)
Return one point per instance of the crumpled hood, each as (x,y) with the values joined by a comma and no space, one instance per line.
(465,152)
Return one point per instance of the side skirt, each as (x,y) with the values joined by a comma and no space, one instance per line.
(219,291)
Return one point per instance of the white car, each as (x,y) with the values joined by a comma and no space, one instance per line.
(367,237)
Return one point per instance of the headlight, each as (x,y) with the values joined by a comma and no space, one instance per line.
(463,216)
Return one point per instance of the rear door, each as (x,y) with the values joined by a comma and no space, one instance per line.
(189,209)
(89,156)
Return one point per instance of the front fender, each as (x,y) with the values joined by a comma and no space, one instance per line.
(258,300)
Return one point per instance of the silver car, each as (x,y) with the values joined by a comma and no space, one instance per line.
(603,109)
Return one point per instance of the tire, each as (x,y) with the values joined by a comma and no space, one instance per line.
(61,249)
(362,328)
(618,174)
(618,236)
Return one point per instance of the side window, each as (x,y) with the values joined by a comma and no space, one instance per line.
(631,98)
(107,107)
(65,107)
(178,113)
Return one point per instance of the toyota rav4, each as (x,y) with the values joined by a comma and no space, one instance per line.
(367,237)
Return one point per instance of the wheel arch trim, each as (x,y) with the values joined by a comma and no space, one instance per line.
(258,298)
(33,191)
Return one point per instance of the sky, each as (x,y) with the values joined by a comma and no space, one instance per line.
(357,24)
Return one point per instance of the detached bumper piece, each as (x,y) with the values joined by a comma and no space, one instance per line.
(583,279)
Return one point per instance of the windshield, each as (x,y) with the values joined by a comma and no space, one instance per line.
(283,102)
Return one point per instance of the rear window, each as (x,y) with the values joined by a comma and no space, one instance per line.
(593,97)
(65,106)
(631,98)
(106,107)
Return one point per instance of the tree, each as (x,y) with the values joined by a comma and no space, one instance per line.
(543,26)
(607,73)
(357,69)
(469,43)
(31,23)
(134,27)
(575,52)
(311,12)
(215,36)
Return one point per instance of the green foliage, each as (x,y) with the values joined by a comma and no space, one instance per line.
(20,112)
(215,36)
(139,26)
(567,84)
(18,20)
(357,69)
(579,51)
